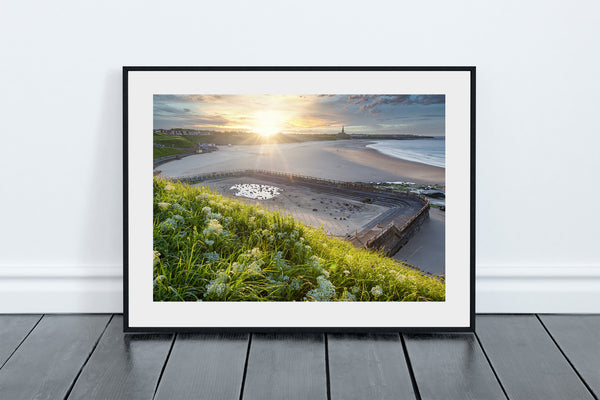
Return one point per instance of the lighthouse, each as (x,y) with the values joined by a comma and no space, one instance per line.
(343,133)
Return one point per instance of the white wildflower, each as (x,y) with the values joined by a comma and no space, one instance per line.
(158,279)
(316,261)
(217,286)
(206,210)
(214,228)
(214,216)
(376,291)
(324,291)
(164,205)
(255,266)
(280,262)
(169,187)
(237,267)
(255,252)
(295,284)
(212,256)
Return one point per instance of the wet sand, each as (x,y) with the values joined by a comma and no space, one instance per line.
(427,248)
(344,160)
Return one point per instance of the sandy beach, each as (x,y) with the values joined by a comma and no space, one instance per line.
(344,160)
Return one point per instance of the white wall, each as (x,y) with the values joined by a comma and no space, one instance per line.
(537,127)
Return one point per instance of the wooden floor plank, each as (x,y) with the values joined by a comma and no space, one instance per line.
(205,366)
(13,329)
(286,366)
(526,360)
(123,366)
(451,366)
(46,364)
(579,338)
(368,366)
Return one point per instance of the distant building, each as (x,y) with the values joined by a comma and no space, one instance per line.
(206,148)
(342,133)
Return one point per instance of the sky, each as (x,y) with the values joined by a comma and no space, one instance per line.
(304,114)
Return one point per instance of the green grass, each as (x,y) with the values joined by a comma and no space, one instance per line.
(176,141)
(210,248)
(166,151)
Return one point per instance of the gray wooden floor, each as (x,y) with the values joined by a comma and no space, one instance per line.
(510,356)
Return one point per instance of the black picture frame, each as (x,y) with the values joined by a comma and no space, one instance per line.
(127,165)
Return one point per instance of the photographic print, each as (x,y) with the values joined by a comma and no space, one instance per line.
(287,190)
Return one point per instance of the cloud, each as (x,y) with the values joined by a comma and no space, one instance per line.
(311,121)
(371,103)
(186,98)
(165,109)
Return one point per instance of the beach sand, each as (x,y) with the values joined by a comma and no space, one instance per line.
(344,160)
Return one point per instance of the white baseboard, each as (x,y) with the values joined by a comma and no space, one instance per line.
(519,290)
(51,289)
(506,289)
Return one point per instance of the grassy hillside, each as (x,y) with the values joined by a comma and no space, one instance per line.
(209,248)
(176,141)
(166,151)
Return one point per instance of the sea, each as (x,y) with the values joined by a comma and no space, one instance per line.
(424,151)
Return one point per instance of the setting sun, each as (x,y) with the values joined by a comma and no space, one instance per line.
(268,123)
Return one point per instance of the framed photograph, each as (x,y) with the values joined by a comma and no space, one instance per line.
(299,198)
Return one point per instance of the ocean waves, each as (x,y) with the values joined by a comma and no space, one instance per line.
(424,151)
